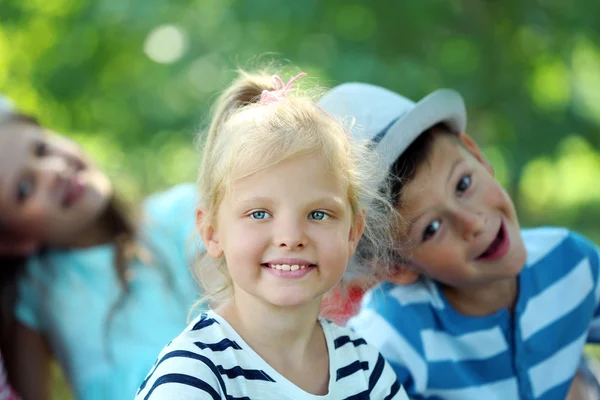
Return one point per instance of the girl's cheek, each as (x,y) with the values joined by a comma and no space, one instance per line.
(35,225)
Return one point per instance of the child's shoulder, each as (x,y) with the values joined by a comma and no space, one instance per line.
(206,327)
(346,345)
(171,204)
(189,357)
(421,294)
(550,243)
(199,336)
(339,335)
(390,308)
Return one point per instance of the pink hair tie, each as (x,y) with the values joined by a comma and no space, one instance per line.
(275,95)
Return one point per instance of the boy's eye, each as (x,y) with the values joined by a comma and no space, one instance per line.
(431,230)
(40,149)
(24,189)
(259,215)
(318,215)
(463,184)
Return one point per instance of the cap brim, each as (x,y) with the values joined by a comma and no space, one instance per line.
(442,106)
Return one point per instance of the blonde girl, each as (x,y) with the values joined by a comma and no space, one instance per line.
(285,195)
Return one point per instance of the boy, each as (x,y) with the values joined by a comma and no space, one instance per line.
(479,309)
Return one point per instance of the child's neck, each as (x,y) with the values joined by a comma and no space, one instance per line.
(484,300)
(289,339)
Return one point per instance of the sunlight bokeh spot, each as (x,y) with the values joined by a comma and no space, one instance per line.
(52,8)
(578,173)
(565,183)
(207,74)
(550,85)
(586,80)
(537,185)
(166,44)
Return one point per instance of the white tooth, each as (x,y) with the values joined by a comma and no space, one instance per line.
(294,267)
(272,266)
(278,266)
(302,266)
(285,267)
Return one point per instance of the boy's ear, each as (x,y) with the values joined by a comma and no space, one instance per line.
(207,231)
(472,147)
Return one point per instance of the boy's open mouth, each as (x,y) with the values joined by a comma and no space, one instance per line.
(498,247)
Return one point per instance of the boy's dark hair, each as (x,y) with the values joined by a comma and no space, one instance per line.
(405,167)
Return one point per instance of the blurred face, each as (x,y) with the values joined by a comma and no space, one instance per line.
(462,228)
(286,232)
(50,192)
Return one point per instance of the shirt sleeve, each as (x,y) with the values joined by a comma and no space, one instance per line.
(591,251)
(383,327)
(181,374)
(383,382)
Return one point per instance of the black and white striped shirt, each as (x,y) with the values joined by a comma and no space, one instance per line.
(209,360)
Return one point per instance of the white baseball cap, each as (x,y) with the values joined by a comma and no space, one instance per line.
(390,120)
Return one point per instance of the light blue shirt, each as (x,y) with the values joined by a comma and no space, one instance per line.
(68,296)
(532,353)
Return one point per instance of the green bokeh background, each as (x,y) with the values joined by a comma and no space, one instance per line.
(133,80)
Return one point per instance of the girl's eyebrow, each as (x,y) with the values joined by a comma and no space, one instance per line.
(335,201)
(255,199)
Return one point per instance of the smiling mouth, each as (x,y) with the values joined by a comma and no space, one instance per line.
(498,247)
(288,267)
(73,191)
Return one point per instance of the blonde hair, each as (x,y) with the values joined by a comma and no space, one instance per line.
(246,136)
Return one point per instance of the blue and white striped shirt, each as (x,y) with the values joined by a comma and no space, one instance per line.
(533,353)
(209,360)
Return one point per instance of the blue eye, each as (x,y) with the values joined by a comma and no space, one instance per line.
(259,215)
(463,184)
(318,215)
(431,230)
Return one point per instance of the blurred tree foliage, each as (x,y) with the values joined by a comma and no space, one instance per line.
(133,80)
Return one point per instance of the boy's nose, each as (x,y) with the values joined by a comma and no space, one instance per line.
(473,223)
(50,170)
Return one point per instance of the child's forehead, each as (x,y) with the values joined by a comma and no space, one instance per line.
(312,170)
(435,171)
(442,147)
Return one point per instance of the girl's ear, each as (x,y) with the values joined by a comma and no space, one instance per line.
(472,147)
(356,231)
(209,235)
